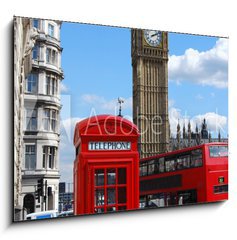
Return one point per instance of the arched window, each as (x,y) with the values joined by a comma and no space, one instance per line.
(29,203)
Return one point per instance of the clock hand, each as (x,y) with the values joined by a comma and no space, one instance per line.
(154,34)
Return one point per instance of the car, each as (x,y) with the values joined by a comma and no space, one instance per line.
(66,213)
(42,215)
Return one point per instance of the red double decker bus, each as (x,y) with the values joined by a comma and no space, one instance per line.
(192,175)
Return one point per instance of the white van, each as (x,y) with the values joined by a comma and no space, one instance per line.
(42,215)
(66,213)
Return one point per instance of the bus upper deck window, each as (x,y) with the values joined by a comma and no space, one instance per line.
(196,158)
(218,151)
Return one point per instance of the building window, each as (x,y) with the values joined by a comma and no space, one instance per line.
(46,119)
(31,119)
(48,51)
(51,86)
(47,86)
(54,86)
(51,30)
(50,120)
(30,157)
(31,83)
(36,23)
(51,56)
(53,120)
(35,52)
(49,157)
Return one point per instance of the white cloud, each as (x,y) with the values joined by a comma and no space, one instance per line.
(67,129)
(171,103)
(100,102)
(66,170)
(199,97)
(207,68)
(174,117)
(212,94)
(64,88)
(67,150)
(92,98)
(215,122)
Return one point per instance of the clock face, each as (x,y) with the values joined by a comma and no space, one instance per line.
(153,37)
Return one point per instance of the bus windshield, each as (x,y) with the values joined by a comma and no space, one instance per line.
(218,151)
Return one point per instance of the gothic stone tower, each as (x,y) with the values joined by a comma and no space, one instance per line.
(150,90)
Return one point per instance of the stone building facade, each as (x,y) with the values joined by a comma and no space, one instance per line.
(24,39)
(41,119)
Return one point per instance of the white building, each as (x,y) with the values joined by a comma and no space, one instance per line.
(24,38)
(41,119)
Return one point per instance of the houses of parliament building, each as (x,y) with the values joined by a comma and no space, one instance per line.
(188,138)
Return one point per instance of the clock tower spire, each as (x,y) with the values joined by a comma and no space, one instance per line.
(150,89)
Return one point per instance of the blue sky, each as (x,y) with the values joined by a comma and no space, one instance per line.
(96,61)
(179,42)
(204,98)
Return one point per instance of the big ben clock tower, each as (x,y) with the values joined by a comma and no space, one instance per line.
(150,90)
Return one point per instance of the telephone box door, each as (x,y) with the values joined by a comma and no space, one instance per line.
(110,188)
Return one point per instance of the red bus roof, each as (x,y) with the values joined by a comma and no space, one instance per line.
(184,150)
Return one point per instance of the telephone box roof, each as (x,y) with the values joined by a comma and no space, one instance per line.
(83,127)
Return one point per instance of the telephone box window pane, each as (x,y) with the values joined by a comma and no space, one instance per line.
(99,197)
(99,177)
(122,195)
(111,176)
(122,176)
(111,209)
(111,195)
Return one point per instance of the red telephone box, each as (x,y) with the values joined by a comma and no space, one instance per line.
(106,169)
